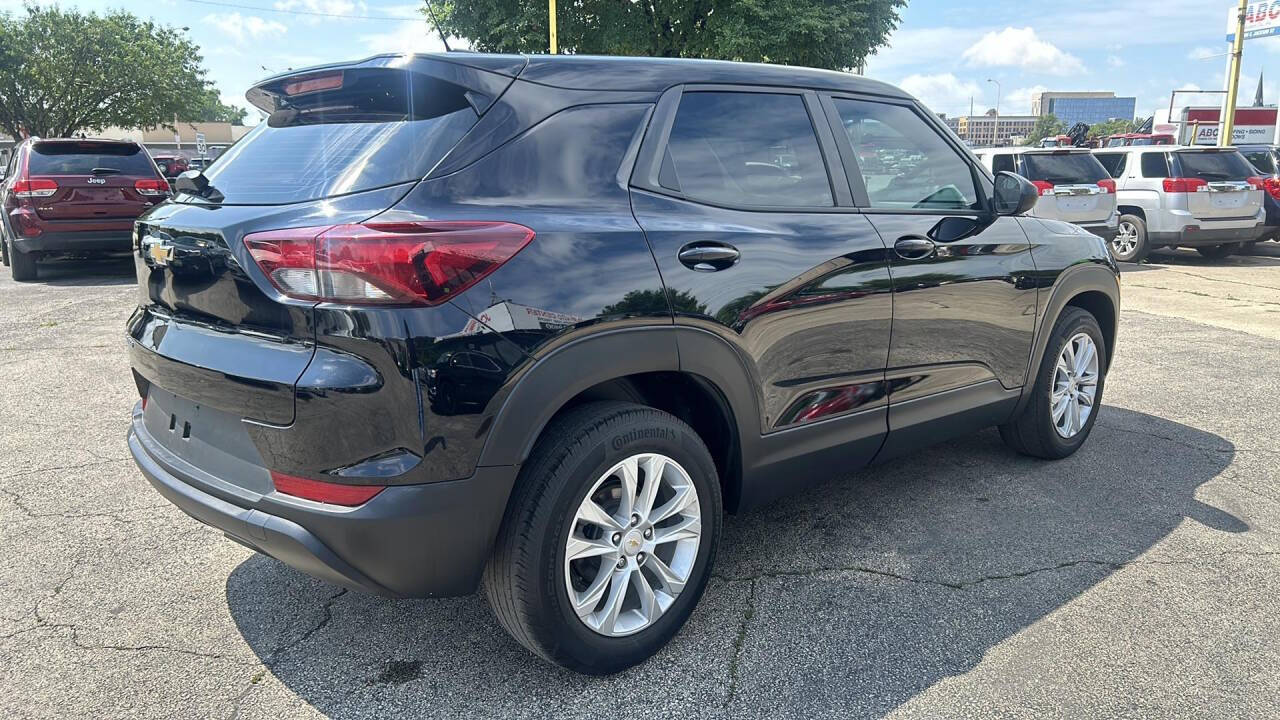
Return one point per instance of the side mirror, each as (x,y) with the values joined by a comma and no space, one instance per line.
(1014,194)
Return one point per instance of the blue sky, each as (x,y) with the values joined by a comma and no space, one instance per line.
(943,52)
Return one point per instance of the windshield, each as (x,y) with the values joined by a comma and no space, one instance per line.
(1215,165)
(1262,160)
(1064,168)
(71,158)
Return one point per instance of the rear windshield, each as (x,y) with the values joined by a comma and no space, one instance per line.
(1064,168)
(70,158)
(378,130)
(1215,165)
(1262,160)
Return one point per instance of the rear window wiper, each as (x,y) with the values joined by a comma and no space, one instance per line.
(105,171)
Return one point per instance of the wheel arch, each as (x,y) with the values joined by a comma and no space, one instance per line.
(1132,210)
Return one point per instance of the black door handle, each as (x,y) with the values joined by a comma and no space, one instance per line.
(914,247)
(708,256)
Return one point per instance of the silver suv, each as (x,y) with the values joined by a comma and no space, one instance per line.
(1073,186)
(1206,198)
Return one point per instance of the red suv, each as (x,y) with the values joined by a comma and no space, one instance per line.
(73,196)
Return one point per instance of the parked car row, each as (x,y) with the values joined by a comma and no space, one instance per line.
(1143,197)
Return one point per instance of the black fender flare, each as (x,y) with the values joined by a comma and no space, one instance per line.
(1070,284)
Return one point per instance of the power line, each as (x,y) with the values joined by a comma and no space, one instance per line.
(238,6)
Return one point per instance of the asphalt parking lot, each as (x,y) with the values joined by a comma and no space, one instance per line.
(1140,577)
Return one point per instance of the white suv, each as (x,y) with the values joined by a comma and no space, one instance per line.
(1073,186)
(1207,198)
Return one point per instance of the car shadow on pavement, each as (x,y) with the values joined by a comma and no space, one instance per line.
(846,600)
(96,271)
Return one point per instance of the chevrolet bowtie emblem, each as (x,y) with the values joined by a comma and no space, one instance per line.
(157,251)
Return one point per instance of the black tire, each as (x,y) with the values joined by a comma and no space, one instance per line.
(1217,252)
(23,266)
(1031,432)
(524,579)
(1142,245)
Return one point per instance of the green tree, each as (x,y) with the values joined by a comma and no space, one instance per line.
(1046,126)
(1111,127)
(835,34)
(64,71)
(212,109)
(647,302)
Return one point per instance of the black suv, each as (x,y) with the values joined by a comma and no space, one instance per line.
(537,322)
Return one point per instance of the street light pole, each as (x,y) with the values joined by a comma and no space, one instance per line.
(995,132)
(1228,125)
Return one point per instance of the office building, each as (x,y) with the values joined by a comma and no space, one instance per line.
(1090,108)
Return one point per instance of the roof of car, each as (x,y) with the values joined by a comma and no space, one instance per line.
(603,72)
(1152,148)
(1024,149)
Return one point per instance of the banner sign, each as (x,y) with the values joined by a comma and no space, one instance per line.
(1253,126)
(1262,19)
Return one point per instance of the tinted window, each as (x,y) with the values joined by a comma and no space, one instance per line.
(1113,163)
(73,158)
(1064,168)
(748,149)
(1155,165)
(903,161)
(381,128)
(1262,161)
(1002,163)
(1215,165)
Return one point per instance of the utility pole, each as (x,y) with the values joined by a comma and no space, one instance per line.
(551,12)
(1228,125)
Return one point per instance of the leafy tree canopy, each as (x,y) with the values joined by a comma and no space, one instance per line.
(835,34)
(64,71)
(212,109)
(1112,127)
(1046,126)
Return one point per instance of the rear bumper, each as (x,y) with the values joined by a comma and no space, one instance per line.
(427,540)
(1202,236)
(94,241)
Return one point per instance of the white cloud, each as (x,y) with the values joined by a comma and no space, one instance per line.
(1021,47)
(919,47)
(323,9)
(943,92)
(1201,52)
(243,28)
(1115,61)
(410,37)
(1018,102)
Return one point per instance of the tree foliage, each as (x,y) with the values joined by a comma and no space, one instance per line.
(1046,126)
(835,34)
(212,109)
(64,71)
(1117,126)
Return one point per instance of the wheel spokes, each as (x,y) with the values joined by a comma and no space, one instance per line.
(579,548)
(671,582)
(655,466)
(688,527)
(594,514)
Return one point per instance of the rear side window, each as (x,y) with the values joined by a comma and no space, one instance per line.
(1002,163)
(72,158)
(1155,165)
(1215,165)
(1113,163)
(755,149)
(1262,161)
(1064,168)
(904,162)
(380,129)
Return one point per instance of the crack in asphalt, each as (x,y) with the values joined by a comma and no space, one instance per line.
(739,642)
(1220,280)
(77,466)
(1203,294)
(274,655)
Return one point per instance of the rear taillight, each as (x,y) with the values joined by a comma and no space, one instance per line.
(152,187)
(390,263)
(325,492)
(1045,188)
(1272,186)
(34,188)
(1108,186)
(1184,185)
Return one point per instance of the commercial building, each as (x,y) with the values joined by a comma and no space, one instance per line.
(217,136)
(993,130)
(1090,108)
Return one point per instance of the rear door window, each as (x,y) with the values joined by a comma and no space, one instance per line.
(1113,163)
(1064,168)
(1262,161)
(73,158)
(1211,165)
(379,129)
(904,162)
(1155,165)
(754,149)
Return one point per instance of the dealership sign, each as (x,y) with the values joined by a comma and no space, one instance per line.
(1253,126)
(1261,19)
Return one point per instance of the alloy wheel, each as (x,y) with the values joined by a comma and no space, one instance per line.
(1075,385)
(1126,240)
(632,544)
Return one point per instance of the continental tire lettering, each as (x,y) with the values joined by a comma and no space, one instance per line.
(620,441)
